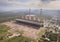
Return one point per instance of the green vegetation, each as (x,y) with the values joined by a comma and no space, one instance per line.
(50,36)
(3,31)
(8,16)
(4,19)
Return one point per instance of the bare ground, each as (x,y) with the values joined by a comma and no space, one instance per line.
(29,31)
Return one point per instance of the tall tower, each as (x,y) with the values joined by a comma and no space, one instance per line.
(29,14)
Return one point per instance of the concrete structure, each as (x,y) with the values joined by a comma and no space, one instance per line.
(31,23)
(31,20)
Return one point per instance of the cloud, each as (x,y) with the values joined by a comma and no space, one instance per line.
(21,0)
(18,4)
(47,1)
(52,5)
(14,3)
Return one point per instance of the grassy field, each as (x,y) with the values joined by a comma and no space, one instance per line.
(3,30)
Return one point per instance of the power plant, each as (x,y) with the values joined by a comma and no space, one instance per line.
(31,20)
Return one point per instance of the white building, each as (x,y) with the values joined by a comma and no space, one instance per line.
(30,17)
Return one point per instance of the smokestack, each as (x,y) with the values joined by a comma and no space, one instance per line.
(29,13)
(38,19)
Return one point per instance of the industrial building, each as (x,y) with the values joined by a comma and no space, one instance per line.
(31,20)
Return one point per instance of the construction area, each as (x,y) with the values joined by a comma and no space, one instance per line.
(30,25)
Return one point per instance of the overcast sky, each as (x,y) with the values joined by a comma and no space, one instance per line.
(25,4)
